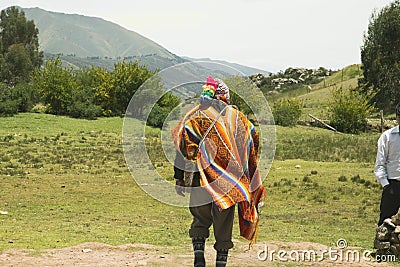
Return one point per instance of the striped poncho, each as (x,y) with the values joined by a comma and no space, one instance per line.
(226,159)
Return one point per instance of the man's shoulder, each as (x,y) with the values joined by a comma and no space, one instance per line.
(392,130)
(387,133)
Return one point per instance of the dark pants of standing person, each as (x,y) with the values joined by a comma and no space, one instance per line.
(390,201)
(209,214)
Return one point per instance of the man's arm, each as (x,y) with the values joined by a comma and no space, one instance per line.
(380,169)
(182,153)
(186,149)
(179,174)
(179,166)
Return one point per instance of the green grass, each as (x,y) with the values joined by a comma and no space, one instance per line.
(64,181)
(318,207)
(317,101)
(347,75)
(293,92)
(317,144)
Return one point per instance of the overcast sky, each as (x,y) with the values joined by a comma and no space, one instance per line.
(267,34)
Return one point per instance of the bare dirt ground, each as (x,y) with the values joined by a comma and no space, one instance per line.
(98,254)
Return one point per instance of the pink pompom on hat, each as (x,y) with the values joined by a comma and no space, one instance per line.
(211,82)
(214,89)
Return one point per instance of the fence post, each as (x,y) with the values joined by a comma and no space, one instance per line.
(342,74)
(382,121)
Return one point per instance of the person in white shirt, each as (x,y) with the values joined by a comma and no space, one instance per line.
(387,170)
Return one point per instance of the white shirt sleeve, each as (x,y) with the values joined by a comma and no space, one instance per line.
(380,169)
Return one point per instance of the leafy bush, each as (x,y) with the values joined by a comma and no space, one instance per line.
(287,112)
(350,110)
(54,85)
(82,93)
(39,108)
(82,104)
(157,116)
(127,77)
(14,99)
(162,109)
(25,95)
(8,107)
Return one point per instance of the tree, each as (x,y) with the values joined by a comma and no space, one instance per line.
(287,112)
(380,56)
(101,83)
(350,110)
(55,85)
(164,107)
(127,78)
(18,64)
(8,105)
(18,98)
(115,89)
(89,93)
(19,46)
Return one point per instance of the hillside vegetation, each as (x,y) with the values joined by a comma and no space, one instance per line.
(319,97)
(316,102)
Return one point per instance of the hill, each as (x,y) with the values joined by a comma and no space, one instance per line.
(312,87)
(85,36)
(243,69)
(152,62)
(316,102)
(83,41)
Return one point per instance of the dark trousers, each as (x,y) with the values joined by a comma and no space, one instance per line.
(209,214)
(390,201)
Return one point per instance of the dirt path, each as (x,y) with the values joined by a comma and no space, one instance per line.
(97,254)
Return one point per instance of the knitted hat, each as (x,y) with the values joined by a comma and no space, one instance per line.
(222,92)
(214,89)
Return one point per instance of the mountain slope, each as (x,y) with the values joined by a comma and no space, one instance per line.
(89,36)
(84,41)
(243,69)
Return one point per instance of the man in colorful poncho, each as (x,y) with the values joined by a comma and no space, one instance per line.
(224,145)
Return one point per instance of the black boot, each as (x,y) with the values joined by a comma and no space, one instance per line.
(222,258)
(198,248)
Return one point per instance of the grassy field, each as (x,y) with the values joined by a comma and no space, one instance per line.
(64,181)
